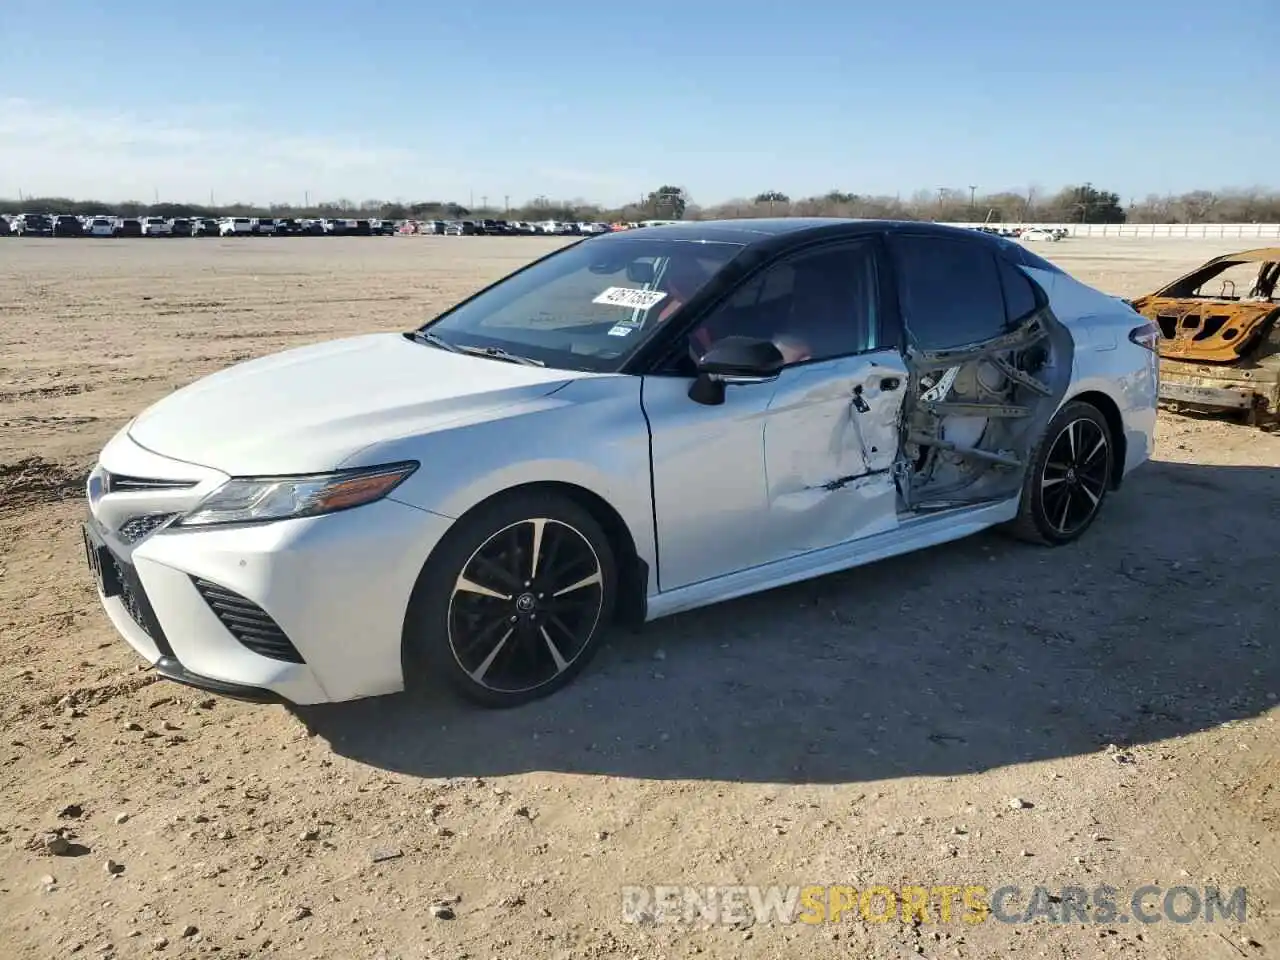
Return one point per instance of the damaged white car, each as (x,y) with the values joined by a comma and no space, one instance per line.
(638,424)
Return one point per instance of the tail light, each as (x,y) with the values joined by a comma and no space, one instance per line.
(1147,335)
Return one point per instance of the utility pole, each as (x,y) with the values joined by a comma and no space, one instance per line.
(506,202)
(306,198)
(972,202)
(157,193)
(484,201)
(471,198)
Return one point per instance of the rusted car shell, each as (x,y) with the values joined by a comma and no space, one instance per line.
(1253,391)
(1220,352)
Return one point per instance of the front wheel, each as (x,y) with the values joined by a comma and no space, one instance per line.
(511,604)
(1068,477)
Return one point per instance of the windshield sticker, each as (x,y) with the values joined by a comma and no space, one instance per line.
(622,330)
(628,297)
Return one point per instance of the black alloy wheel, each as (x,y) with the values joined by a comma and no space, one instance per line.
(512,602)
(1068,478)
(525,605)
(1075,476)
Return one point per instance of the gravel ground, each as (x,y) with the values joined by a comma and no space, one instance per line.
(984,713)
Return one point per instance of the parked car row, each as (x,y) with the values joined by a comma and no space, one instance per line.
(1026,233)
(107,225)
(509,228)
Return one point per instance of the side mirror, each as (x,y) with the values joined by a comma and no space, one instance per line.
(734,360)
(742,359)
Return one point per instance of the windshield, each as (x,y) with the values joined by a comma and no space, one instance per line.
(589,306)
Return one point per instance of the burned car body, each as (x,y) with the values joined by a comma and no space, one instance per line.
(1220,346)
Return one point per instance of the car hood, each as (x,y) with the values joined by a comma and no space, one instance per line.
(311,408)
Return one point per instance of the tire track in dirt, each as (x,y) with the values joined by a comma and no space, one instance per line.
(34,480)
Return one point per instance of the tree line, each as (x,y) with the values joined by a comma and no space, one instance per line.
(1082,203)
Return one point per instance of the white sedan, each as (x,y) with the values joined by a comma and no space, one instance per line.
(99,227)
(637,424)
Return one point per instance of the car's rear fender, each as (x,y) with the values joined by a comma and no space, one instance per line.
(1107,363)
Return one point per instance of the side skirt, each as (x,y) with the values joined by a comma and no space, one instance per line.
(913,533)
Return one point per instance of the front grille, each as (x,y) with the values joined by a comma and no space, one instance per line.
(120,483)
(247,622)
(135,528)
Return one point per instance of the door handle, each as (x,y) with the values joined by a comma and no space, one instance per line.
(889,384)
(859,402)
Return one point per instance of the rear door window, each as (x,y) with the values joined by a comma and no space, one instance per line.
(1019,294)
(949,290)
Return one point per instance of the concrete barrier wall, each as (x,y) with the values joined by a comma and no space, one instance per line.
(1175,231)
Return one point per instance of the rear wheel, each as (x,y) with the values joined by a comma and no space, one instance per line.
(1068,477)
(511,604)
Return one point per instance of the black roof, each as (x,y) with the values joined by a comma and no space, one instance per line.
(779,233)
(749,231)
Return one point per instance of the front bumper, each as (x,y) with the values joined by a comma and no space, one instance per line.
(332,590)
(171,669)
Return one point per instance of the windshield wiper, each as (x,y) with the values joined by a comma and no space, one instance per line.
(494,353)
(424,336)
(497,353)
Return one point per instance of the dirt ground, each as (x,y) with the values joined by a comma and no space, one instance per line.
(871,727)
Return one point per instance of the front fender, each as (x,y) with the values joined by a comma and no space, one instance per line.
(591,434)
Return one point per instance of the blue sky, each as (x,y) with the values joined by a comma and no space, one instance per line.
(274,99)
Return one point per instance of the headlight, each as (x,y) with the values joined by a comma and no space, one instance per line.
(261,499)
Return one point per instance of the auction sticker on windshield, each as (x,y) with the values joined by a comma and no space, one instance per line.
(627,297)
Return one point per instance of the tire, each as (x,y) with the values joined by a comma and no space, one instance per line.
(1059,502)
(506,640)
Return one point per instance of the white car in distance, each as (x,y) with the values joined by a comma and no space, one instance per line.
(235,227)
(99,226)
(156,227)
